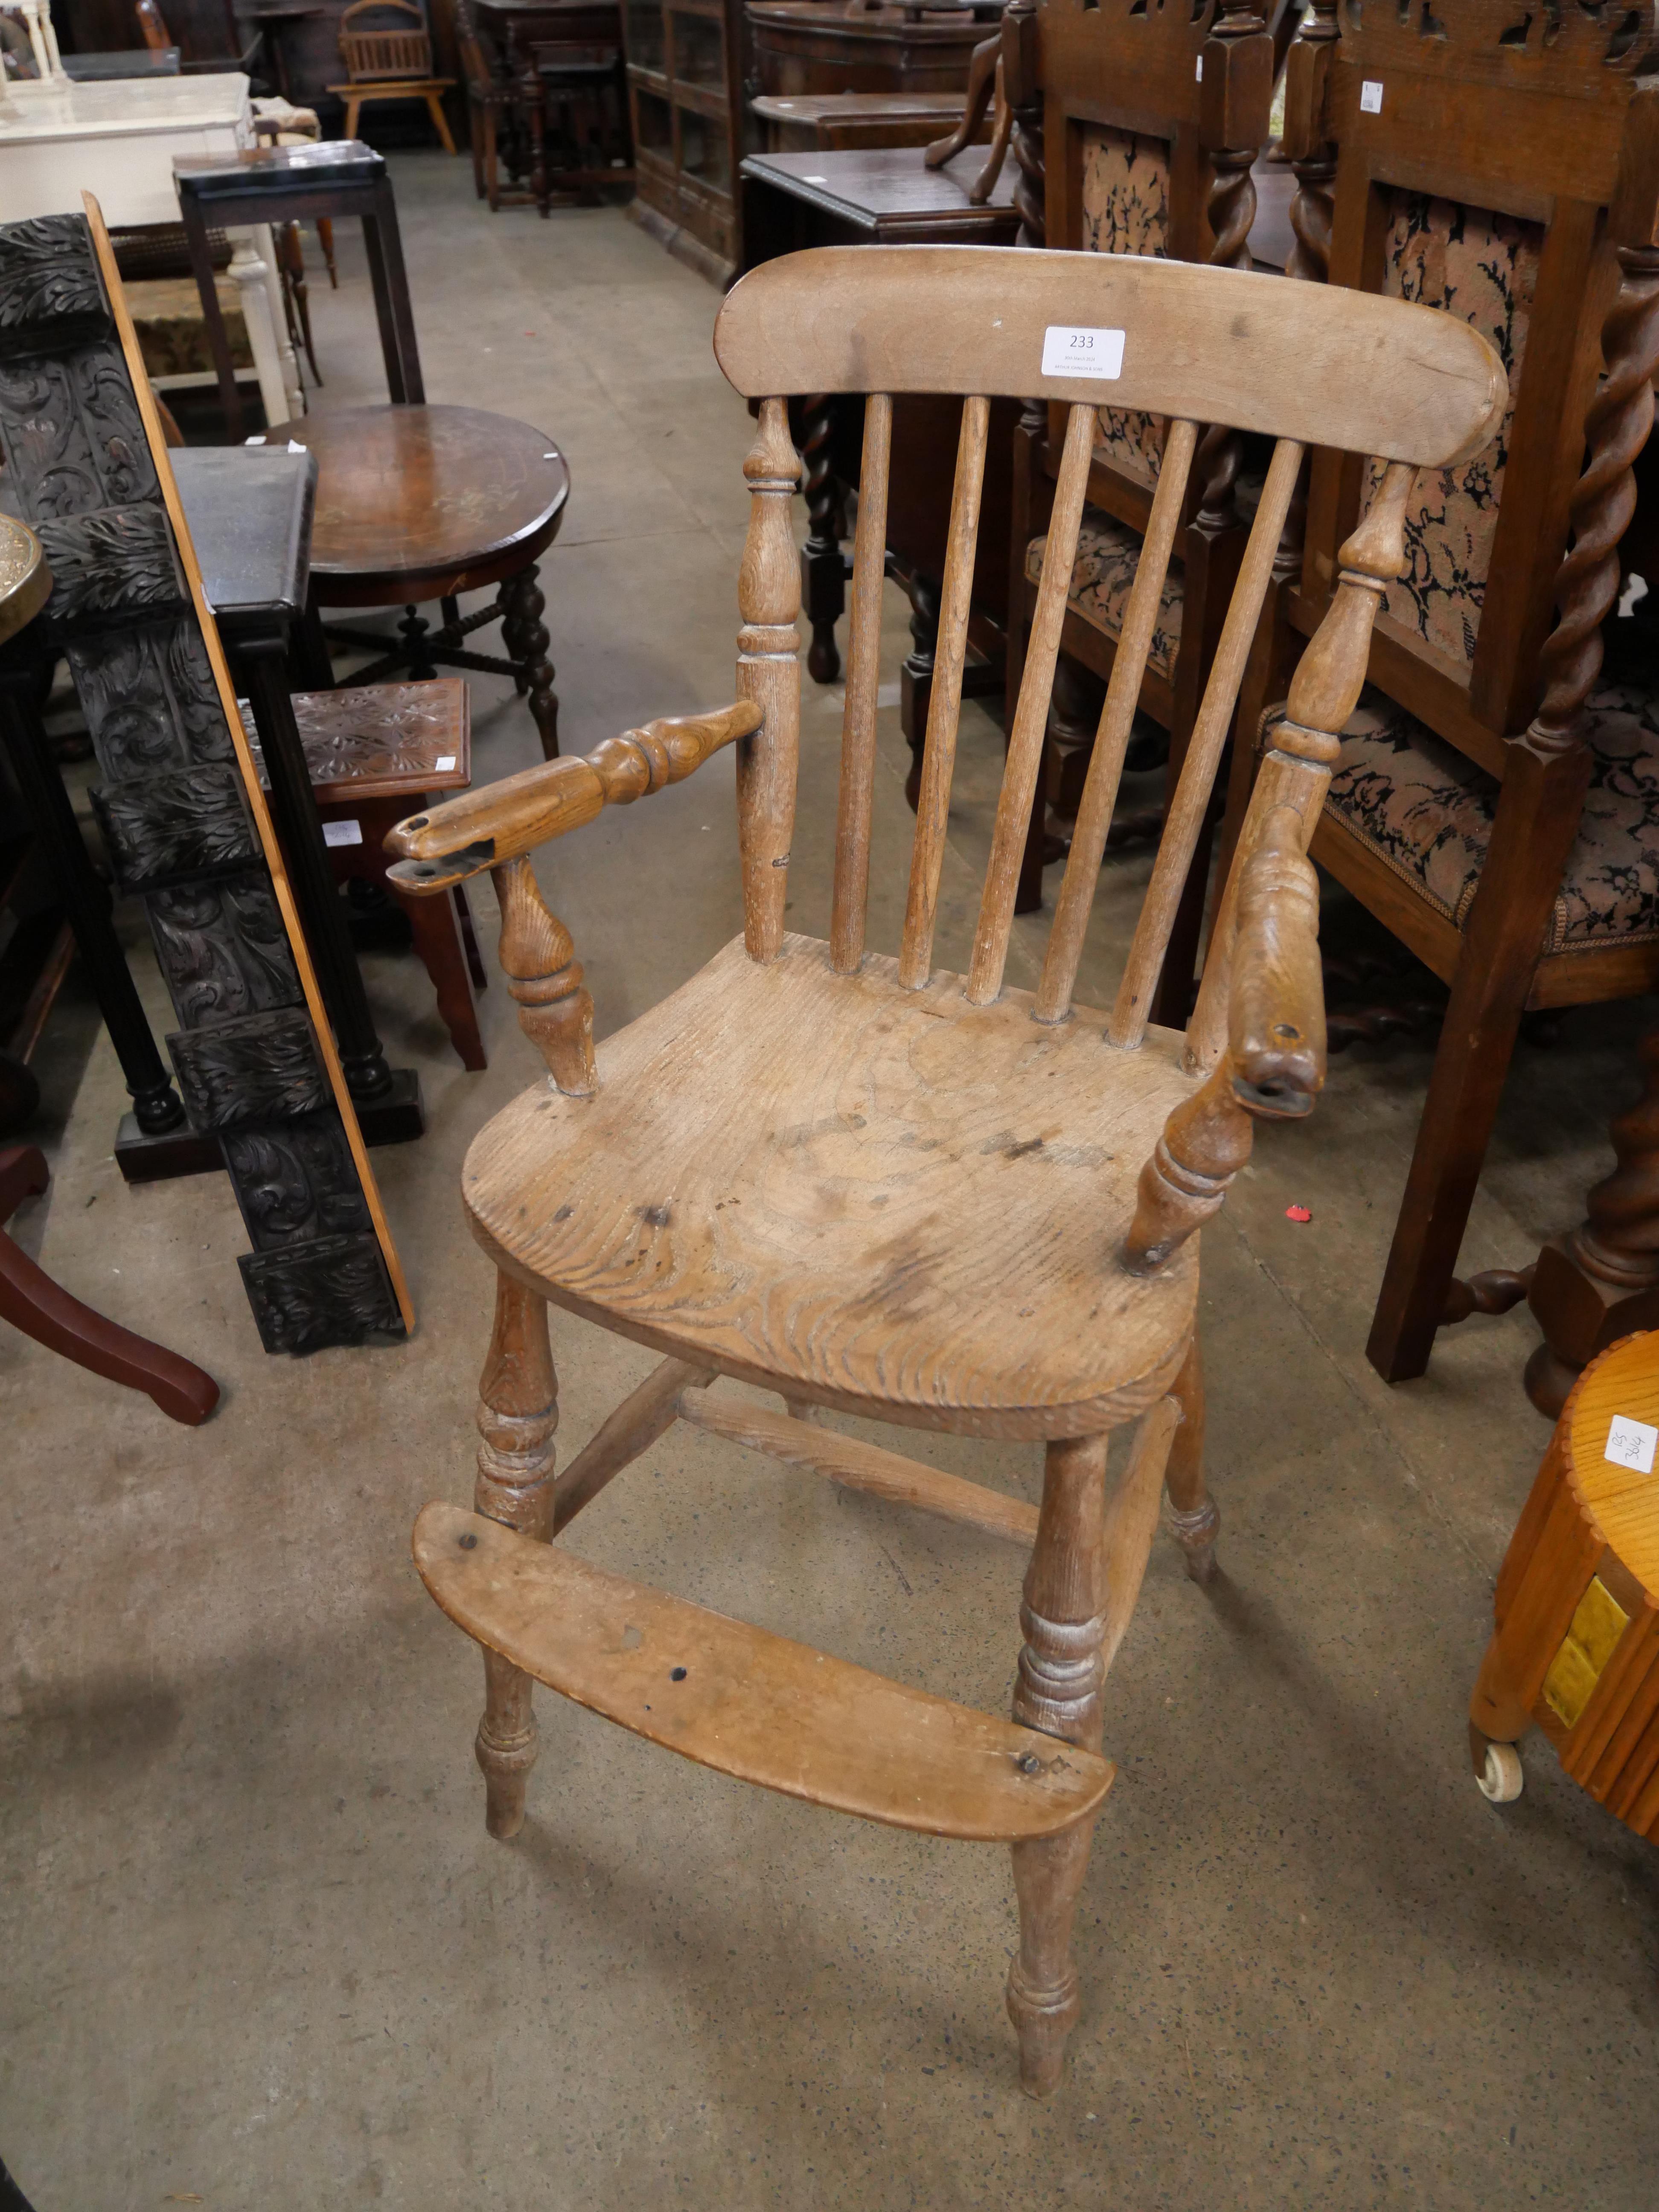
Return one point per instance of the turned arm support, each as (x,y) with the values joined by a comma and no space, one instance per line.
(485,828)
(1274,1067)
(499,827)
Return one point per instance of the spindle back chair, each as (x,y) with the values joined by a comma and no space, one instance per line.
(866,1184)
(1494,805)
(390,62)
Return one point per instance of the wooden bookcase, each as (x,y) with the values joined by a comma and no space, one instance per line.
(685,90)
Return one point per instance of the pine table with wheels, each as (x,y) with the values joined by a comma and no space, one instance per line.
(1575,1648)
(869,1186)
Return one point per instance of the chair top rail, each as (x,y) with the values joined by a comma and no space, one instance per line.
(1324,366)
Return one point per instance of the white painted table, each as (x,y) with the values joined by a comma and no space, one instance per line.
(117,139)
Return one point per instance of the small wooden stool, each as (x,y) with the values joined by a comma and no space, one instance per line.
(1577,1645)
(372,751)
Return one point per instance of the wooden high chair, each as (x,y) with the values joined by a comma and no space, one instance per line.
(868,1185)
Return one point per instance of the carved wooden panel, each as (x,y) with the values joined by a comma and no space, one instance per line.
(149,700)
(382,739)
(295,1180)
(79,469)
(222,948)
(50,292)
(332,1290)
(187,822)
(1575,43)
(260,1067)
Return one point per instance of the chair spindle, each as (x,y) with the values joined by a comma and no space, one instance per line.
(1185,814)
(858,729)
(1295,768)
(944,707)
(1117,715)
(1019,777)
(768,672)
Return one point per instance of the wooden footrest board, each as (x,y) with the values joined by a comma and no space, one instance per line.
(752,1705)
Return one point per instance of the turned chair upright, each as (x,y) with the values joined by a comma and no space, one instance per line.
(868,1185)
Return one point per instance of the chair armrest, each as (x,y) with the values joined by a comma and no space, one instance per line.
(1274,1064)
(1276,1010)
(480,829)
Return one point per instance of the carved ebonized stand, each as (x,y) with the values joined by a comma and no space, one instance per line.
(79,472)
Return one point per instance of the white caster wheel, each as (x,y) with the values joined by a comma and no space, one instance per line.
(1501,1779)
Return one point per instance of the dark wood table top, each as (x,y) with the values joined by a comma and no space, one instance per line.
(885,191)
(249,510)
(419,501)
(823,18)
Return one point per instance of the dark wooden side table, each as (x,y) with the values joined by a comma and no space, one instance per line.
(421,503)
(841,121)
(885,196)
(826,46)
(302,184)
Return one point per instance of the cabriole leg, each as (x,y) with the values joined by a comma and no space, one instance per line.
(1058,1690)
(1195,1517)
(517,1413)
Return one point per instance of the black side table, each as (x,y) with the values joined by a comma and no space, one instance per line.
(298,184)
(249,510)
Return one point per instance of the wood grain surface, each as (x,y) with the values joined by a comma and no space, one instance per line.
(882,1199)
(1324,366)
(1623,1502)
(752,1705)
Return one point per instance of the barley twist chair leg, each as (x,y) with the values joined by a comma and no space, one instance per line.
(1058,1690)
(517,1413)
(1195,1517)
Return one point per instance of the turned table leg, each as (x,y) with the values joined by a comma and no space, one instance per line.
(517,1413)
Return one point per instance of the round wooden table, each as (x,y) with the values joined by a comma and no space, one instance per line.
(416,503)
(1577,1648)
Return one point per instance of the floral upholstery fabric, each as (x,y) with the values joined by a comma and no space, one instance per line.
(1107,553)
(1126,209)
(1426,810)
(1484,268)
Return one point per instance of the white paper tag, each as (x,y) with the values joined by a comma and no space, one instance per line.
(1370,96)
(1200,70)
(1082,353)
(444,763)
(1631,1444)
(343,833)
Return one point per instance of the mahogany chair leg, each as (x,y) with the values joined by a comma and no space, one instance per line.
(517,1414)
(1538,812)
(477,129)
(42,1309)
(1058,1690)
(1195,1517)
(326,238)
(438,941)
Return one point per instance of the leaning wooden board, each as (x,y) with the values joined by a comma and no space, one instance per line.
(187,824)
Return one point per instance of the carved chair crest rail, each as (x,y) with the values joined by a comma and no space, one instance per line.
(821,1171)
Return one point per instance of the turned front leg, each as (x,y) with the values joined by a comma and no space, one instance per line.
(517,1413)
(1058,1690)
(1195,1517)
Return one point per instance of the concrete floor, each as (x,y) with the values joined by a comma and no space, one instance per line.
(259,1950)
